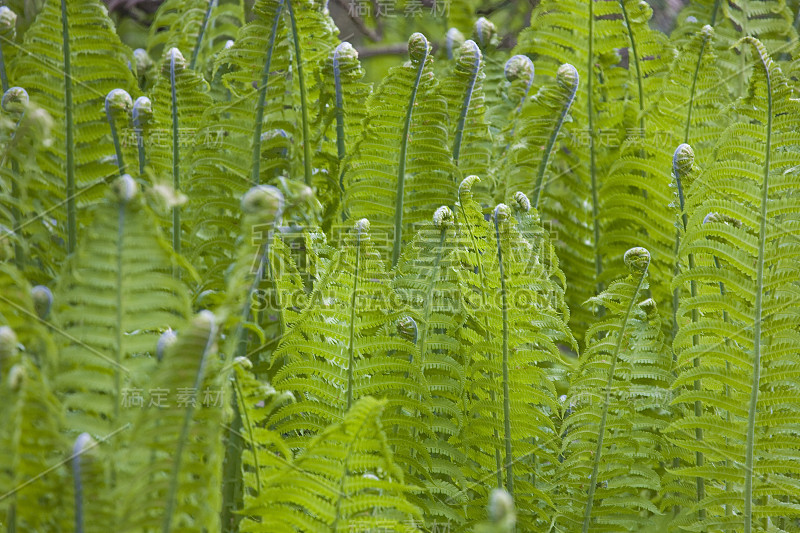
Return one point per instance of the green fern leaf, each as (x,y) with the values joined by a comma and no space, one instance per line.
(396,176)
(345,480)
(114,298)
(98,63)
(745,334)
(605,462)
(176,482)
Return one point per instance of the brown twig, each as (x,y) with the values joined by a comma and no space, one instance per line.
(371,34)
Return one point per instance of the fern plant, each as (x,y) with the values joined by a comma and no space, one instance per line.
(248,282)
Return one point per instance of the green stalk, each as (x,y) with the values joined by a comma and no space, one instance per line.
(751,414)
(206,20)
(72,223)
(706,40)
(722,291)
(142,113)
(636,62)
(3,75)
(78,482)
(337,84)
(587,516)
(341,148)
(303,97)
(262,95)
(590,68)
(111,107)
(176,176)
(423,339)
(698,405)
(571,74)
(19,255)
(352,339)
(462,119)
(232,475)
(506,395)
(401,170)
(172,495)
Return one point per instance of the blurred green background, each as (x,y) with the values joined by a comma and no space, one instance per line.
(377,28)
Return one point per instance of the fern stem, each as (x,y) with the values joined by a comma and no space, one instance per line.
(19,254)
(722,291)
(352,336)
(117,147)
(467,99)
(679,159)
(176,174)
(77,480)
(142,112)
(751,414)
(72,222)
(590,69)
(401,169)
(587,516)
(636,62)
(3,74)
(303,96)
(337,85)
(245,421)
(423,339)
(506,395)
(568,71)
(172,494)
(262,96)
(688,125)
(206,20)
(118,352)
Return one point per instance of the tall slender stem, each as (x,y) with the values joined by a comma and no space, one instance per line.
(262,96)
(587,516)
(176,172)
(462,119)
(196,52)
(72,222)
(401,168)
(303,96)
(506,393)
(762,237)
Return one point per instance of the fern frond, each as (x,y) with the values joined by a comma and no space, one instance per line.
(32,443)
(469,131)
(263,450)
(396,176)
(510,396)
(198,28)
(114,298)
(602,448)
(735,344)
(23,309)
(175,485)
(340,349)
(427,284)
(535,141)
(73,97)
(345,480)
(587,35)
(340,102)
(179,98)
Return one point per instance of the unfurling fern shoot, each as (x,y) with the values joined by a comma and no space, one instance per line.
(418,50)
(141,116)
(567,79)
(118,108)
